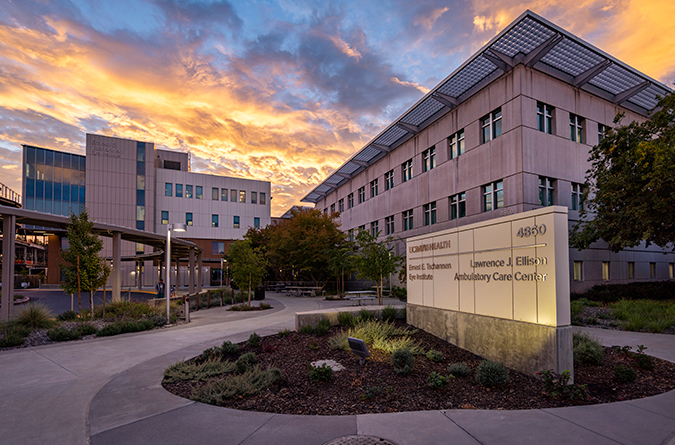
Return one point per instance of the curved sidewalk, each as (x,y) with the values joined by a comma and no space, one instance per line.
(107,391)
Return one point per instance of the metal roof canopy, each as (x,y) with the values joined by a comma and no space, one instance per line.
(532,41)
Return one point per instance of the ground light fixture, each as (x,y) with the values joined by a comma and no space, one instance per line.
(176,227)
(359,348)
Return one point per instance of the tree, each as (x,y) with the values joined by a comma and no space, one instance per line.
(375,260)
(248,265)
(341,262)
(630,189)
(83,268)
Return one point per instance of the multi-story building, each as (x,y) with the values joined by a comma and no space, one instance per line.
(509,131)
(132,184)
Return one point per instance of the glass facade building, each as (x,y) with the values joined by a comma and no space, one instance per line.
(54,181)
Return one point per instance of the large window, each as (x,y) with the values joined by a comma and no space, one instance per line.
(350,200)
(214,193)
(233,195)
(350,234)
(544,118)
(168,189)
(428,159)
(389,180)
(601,131)
(456,144)
(576,128)
(374,228)
(546,189)
(631,270)
(199,192)
(578,271)
(217,247)
(254,197)
(332,208)
(223,194)
(179,190)
(493,196)
(256,222)
(430,213)
(165,217)
(341,205)
(577,197)
(188,191)
(652,270)
(373,188)
(408,220)
(242,196)
(262,198)
(458,205)
(188,219)
(214,220)
(235,222)
(406,170)
(389,225)
(491,126)
(362,194)
(605,271)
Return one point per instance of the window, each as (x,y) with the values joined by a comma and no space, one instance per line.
(200,192)
(363,227)
(179,190)
(546,188)
(223,194)
(256,222)
(493,196)
(168,189)
(601,132)
(491,126)
(362,194)
(430,213)
(577,270)
(631,270)
(262,198)
(456,144)
(406,170)
(325,211)
(233,195)
(188,191)
(351,235)
(605,271)
(341,205)
(408,220)
(576,128)
(389,180)
(214,193)
(188,219)
(165,217)
(374,228)
(577,195)
(350,200)
(140,249)
(242,196)
(428,159)
(214,220)
(671,270)
(236,222)
(652,270)
(373,188)
(458,206)
(389,225)
(171,165)
(254,197)
(544,118)
(217,248)
(332,208)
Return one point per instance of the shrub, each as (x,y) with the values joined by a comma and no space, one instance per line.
(643,360)
(323,373)
(13,336)
(346,319)
(242,307)
(436,380)
(134,310)
(365,315)
(399,292)
(265,306)
(63,334)
(587,350)
(192,371)
(284,333)
(229,348)
(87,329)
(35,316)
(251,382)
(389,314)
(624,374)
(435,356)
(379,335)
(492,374)
(322,327)
(67,316)
(403,361)
(123,327)
(254,340)
(557,386)
(306,329)
(459,370)
(158,320)
(608,293)
(244,362)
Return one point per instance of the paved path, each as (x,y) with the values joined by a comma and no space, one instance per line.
(107,391)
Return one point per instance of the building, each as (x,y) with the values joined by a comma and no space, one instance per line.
(132,184)
(508,131)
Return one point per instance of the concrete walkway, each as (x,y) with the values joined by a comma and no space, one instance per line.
(107,391)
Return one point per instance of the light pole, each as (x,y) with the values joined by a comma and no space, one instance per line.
(221,272)
(176,227)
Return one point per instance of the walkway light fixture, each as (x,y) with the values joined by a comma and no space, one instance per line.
(176,227)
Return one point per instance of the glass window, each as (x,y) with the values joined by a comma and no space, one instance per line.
(179,190)
(389,180)
(407,170)
(652,270)
(341,205)
(140,213)
(233,195)
(544,118)
(140,151)
(373,188)
(236,222)
(140,197)
(165,217)
(491,126)
(408,220)
(362,194)
(577,197)
(188,219)
(428,159)
(605,271)
(200,192)
(332,208)
(671,270)
(631,270)
(214,193)
(601,132)
(578,271)
(188,191)
(350,200)
(262,197)
(350,234)
(140,168)
(576,128)
(140,182)
(546,189)
(214,220)
(458,205)
(389,225)
(430,213)
(242,196)
(456,144)
(493,196)
(223,194)
(256,222)
(217,248)
(254,197)
(374,228)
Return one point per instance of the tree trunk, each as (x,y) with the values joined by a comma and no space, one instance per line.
(249,290)
(104,300)
(91,302)
(79,297)
(381,297)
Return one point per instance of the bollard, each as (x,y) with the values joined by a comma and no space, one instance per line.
(186,309)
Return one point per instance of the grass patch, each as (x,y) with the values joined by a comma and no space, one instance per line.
(123,327)
(645,315)
(249,383)
(35,316)
(587,350)
(378,335)
(190,371)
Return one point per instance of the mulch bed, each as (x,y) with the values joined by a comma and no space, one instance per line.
(376,388)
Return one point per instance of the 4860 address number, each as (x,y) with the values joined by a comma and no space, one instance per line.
(535,230)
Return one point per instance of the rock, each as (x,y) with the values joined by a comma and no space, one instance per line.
(335,366)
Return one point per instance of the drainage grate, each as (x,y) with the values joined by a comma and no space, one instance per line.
(359,440)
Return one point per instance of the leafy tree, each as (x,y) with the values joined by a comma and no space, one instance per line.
(342,262)
(630,189)
(248,265)
(375,260)
(83,268)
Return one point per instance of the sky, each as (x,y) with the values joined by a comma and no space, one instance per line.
(277,90)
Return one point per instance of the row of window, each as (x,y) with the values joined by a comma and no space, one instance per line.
(214,220)
(545,122)
(578,269)
(547,193)
(217,194)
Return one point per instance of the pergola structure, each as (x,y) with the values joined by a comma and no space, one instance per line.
(12,216)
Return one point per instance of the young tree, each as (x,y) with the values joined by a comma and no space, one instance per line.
(630,189)
(375,260)
(341,262)
(248,265)
(81,265)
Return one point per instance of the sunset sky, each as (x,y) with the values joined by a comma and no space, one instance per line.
(278,90)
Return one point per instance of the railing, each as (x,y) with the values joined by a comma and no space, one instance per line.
(9,194)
